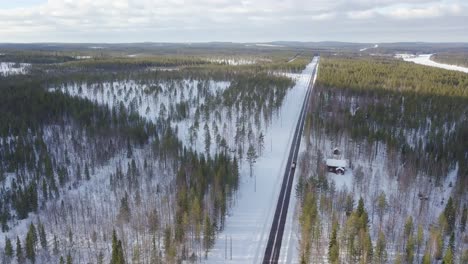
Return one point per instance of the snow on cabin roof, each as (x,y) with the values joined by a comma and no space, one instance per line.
(337,163)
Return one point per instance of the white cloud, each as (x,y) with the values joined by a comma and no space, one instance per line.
(366,14)
(169,20)
(429,11)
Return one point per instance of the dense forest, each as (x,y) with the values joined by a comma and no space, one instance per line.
(35,57)
(117,160)
(403,128)
(389,101)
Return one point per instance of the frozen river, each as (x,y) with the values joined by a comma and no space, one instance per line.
(425,59)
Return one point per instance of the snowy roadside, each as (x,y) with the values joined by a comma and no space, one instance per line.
(290,244)
(249,222)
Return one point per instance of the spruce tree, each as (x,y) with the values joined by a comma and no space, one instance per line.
(448,258)
(410,249)
(42,236)
(69,259)
(87,176)
(45,193)
(8,248)
(30,244)
(207,139)
(117,256)
(426,258)
(463,219)
(451,243)
(381,249)
(251,157)
(19,251)
(360,209)
(333,246)
(55,250)
(450,216)
(129,149)
(78,172)
(124,212)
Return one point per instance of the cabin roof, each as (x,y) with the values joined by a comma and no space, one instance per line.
(337,163)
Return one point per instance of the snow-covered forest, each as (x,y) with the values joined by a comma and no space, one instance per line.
(403,199)
(131,163)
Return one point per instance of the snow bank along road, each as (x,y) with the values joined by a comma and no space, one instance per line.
(245,235)
(272,251)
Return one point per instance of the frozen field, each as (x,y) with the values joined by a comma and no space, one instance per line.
(249,222)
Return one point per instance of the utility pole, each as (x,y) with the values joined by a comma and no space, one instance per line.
(231,247)
(225,247)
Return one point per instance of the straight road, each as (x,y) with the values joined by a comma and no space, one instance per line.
(272,251)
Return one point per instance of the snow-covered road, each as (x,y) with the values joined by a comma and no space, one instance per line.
(249,222)
(425,59)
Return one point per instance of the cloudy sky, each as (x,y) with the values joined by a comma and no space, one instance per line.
(233,20)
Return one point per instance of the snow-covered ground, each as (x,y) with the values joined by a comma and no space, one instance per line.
(382,173)
(146,99)
(249,222)
(11,68)
(238,60)
(83,57)
(425,59)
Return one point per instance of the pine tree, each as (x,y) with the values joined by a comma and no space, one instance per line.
(463,218)
(45,193)
(124,212)
(8,248)
(69,259)
(464,257)
(62,261)
(349,205)
(208,234)
(136,255)
(450,216)
(419,239)
(78,172)
(261,143)
(408,227)
(129,149)
(70,236)
(410,249)
(31,239)
(207,139)
(360,209)
(55,250)
(381,207)
(117,256)
(42,235)
(381,249)
(87,176)
(19,251)
(251,157)
(451,243)
(100,258)
(426,258)
(333,246)
(368,248)
(448,258)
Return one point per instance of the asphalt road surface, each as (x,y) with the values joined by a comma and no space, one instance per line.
(272,251)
